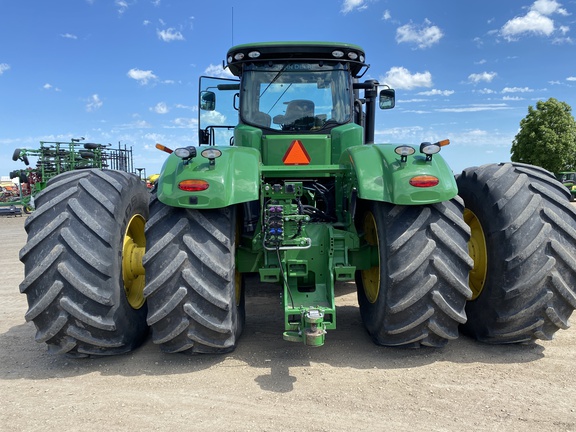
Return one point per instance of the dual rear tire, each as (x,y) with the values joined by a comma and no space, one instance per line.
(194,293)
(79,299)
(85,265)
(519,241)
(524,249)
(415,292)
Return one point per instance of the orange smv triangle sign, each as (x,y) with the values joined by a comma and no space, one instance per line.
(296,154)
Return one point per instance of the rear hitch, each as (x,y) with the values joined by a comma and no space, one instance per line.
(311,329)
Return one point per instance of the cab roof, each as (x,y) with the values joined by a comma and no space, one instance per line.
(296,51)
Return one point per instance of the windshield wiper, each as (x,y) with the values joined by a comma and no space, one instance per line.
(274,79)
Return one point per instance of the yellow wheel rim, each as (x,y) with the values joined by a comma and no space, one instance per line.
(133,249)
(477,250)
(371,277)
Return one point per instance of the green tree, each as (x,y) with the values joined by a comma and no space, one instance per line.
(547,137)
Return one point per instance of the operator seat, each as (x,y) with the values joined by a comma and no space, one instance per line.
(299,115)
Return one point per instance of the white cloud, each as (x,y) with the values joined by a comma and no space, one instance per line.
(415,100)
(350,5)
(484,76)
(94,103)
(218,71)
(187,107)
(169,35)
(423,36)
(183,122)
(386,15)
(533,22)
(138,123)
(477,133)
(516,90)
(4,67)
(571,78)
(400,78)
(486,91)
(562,41)
(476,108)
(512,98)
(417,111)
(69,36)
(49,86)
(548,7)
(213,118)
(436,92)
(537,21)
(161,108)
(142,76)
(122,6)
(406,133)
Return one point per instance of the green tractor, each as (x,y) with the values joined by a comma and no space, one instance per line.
(568,179)
(287,184)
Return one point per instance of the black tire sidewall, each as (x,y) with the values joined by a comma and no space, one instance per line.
(373,314)
(134,202)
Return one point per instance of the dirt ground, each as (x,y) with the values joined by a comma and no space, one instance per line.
(268,384)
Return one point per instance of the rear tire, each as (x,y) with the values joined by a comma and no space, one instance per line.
(416,291)
(195,296)
(524,290)
(73,263)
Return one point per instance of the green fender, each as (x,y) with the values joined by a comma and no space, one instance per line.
(233,178)
(379,175)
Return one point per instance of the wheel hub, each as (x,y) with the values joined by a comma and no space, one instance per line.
(133,273)
(477,250)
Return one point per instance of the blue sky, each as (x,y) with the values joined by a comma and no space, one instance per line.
(127,70)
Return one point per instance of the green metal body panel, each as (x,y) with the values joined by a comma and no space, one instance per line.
(233,178)
(324,150)
(380,175)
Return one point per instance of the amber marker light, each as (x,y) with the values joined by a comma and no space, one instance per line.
(163,148)
(424,181)
(193,185)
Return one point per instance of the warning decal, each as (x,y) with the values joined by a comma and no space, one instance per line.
(296,154)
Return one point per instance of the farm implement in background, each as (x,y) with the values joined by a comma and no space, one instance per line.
(56,157)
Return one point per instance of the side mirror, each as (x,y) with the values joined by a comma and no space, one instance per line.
(387,99)
(207,101)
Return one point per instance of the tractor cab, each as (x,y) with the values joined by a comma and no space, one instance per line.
(289,88)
